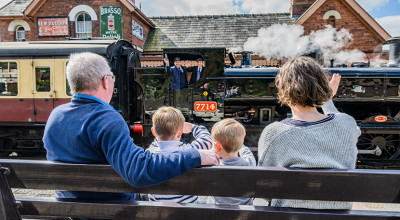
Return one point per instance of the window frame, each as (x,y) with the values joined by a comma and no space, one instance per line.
(8,75)
(36,79)
(18,31)
(85,22)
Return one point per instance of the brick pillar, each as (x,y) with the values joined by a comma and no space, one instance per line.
(298,7)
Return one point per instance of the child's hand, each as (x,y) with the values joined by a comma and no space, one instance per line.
(187,127)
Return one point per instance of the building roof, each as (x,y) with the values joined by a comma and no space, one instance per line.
(357,9)
(209,31)
(14,8)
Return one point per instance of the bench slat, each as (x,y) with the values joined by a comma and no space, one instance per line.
(260,182)
(159,210)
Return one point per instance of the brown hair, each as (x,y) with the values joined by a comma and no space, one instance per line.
(301,81)
(167,121)
(230,133)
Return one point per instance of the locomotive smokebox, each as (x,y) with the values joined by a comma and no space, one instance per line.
(246,58)
(394,54)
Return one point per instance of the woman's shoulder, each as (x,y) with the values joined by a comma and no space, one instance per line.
(277,126)
(344,118)
(274,130)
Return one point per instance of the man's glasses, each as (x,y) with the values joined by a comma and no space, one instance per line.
(111,76)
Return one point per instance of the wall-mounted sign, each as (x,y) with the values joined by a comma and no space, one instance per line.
(54,26)
(137,30)
(111,21)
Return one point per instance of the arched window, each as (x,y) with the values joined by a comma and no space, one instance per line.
(332,21)
(83,25)
(20,33)
(332,17)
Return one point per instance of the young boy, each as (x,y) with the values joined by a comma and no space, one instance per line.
(228,136)
(168,127)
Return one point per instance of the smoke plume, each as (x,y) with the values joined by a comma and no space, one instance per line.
(281,41)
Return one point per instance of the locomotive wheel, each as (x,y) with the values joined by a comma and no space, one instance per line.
(389,145)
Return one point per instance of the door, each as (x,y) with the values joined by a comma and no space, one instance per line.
(42,87)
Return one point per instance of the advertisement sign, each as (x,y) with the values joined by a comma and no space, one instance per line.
(111,21)
(54,26)
(137,30)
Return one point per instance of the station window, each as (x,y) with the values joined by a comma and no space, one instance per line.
(83,26)
(20,33)
(332,21)
(42,79)
(8,79)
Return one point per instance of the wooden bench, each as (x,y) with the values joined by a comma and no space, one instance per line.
(381,186)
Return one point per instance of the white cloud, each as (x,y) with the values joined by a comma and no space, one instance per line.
(391,24)
(368,5)
(262,6)
(187,7)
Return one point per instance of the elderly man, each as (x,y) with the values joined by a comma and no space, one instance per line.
(89,130)
(179,78)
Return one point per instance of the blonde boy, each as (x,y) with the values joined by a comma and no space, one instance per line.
(168,127)
(228,136)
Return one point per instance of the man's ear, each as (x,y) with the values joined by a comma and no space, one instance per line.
(104,82)
(152,131)
(217,146)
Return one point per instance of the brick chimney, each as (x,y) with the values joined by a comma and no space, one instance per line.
(298,7)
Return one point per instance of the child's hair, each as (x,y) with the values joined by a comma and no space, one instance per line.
(230,133)
(167,121)
(301,81)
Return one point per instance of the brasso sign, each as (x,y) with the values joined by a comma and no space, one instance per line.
(111,21)
(55,26)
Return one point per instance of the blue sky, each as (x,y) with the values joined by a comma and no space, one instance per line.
(389,9)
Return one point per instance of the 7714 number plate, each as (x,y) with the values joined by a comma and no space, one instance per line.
(205,106)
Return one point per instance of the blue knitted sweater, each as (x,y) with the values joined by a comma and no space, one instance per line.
(89,131)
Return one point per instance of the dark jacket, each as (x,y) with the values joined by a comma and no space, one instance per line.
(194,70)
(179,78)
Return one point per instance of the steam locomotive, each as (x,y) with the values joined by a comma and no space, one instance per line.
(34,82)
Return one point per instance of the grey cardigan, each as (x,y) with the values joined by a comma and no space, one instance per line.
(331,144)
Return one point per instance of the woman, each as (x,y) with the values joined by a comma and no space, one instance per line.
(309,139)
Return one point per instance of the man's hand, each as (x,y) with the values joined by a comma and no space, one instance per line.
(334,83)
(187,127)
(209,157)
(166,61)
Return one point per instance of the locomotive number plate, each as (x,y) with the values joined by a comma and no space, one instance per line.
(205,106)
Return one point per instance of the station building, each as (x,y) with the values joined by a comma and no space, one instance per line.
(33,20)
(48,20)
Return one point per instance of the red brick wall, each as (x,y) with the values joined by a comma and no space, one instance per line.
(364,38)
(53,8)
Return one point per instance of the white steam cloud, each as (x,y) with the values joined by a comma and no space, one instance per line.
(288,41)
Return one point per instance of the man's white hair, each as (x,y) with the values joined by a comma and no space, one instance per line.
(85,71)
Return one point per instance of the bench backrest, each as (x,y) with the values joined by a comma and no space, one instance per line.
(381,186)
